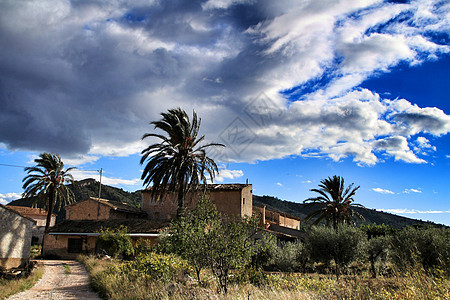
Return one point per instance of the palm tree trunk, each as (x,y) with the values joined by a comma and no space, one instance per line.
(51,203)
(180,198)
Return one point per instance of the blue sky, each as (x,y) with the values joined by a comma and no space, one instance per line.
(297,91)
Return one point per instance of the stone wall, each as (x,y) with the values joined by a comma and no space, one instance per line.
(88,210)
(15,238)
(230,202)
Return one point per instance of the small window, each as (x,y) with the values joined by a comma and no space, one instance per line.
(244,201)
(75,245)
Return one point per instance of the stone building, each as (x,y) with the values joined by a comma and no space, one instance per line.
(40,216)
(15,237)
(233,200)
(268,217)
(84,221)
(101,209)
(72,237)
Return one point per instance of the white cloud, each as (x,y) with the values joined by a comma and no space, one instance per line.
(83,174)
(413,211)
(228,174)
(8,197)
(382,191)
(408,191)
(279,184)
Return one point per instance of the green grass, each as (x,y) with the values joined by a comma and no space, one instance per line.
(14,286)
(110,282)
(67,270)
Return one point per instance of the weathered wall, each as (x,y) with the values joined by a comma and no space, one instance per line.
(233,203)
(58,245)
(87,210)
(289,222)
(15,238)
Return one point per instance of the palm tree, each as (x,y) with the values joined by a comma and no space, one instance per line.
(334,203)
(178,163)
(45,183)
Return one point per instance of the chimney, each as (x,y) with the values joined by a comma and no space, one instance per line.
(264,215)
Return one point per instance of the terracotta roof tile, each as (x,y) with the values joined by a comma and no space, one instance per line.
(29,210)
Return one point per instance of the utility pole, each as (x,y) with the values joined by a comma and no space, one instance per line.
(100,187)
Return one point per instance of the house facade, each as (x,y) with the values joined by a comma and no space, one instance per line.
(15,237)
(232,200)
(40,216)
(72,237)
(84,221)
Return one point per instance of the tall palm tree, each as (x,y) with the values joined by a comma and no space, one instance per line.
(334,203)
(45,183)
(178,162)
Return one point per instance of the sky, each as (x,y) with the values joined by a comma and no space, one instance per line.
(297,91)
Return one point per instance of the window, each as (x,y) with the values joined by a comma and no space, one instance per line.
(75,245)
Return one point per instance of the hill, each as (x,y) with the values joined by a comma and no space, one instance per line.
(89,188)
(371,216)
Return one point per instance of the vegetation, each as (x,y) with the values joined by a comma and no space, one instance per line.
(46,182)
(205,239)
(10,287)
(334,203)
(178,163)
(115,243)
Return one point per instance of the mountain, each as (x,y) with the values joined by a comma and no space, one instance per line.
(371,216)
(86,188)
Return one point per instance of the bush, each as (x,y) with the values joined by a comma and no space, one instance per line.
(116,243)
(289,257)
(343,245)
(157,266)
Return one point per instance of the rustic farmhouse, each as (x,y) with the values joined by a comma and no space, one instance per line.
(15,237)
(84,221)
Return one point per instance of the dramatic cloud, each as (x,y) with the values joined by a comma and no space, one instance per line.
(382,191)
(269,78)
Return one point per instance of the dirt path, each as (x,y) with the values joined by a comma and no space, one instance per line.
(57,283)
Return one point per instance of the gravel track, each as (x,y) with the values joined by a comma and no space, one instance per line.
(56,284)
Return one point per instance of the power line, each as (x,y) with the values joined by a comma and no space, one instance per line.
(12,166)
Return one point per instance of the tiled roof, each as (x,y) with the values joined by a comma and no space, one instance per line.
(29,210)
(116,205)
(17,213)
(133,226)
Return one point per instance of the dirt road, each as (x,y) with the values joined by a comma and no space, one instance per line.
(60,282)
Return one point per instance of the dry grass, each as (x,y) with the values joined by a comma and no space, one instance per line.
(413,285)
(14,286)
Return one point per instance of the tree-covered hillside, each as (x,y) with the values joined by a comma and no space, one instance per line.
(370,215)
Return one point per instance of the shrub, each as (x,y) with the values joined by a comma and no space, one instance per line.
(288,257)
(157,266)
(116,243)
